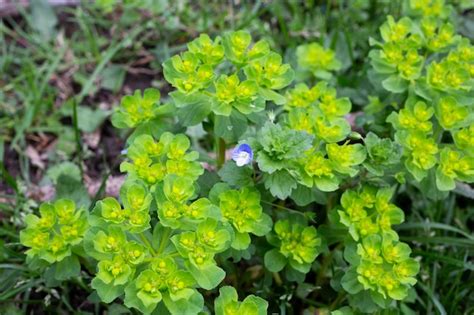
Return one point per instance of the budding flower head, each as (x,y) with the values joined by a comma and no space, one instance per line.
(242,154)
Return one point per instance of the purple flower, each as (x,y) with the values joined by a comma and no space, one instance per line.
(242,154)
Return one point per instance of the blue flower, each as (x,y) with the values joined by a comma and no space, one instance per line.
(242,154)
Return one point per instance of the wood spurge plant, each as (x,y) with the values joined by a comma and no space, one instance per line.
(281,178)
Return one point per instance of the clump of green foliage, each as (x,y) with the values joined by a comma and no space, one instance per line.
(184,220)
(432,66)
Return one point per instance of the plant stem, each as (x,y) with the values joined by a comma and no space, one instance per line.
(340,297)
(220,153)
(147,243)
(164,239)
(277,278)
(279,206)
(325,264)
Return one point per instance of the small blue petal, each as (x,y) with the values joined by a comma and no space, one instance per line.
(242,154)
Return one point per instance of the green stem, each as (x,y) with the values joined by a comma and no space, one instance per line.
(164,239)
(220,153)
(325,264)
(340,297)
(147,243)
(277,278)
(279,206)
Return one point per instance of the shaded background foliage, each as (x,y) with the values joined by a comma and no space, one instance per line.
(63,69)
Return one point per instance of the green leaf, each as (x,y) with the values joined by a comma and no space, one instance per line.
(253,305)
(68,268)
(421,89)
(241,241)
(303,196)
(280,183)
(216,191)
(227,296)
(350,254)
(363,302)
(68,187)
(273,96)
(280,145)
(429,188)
(222,108)
(132,299)
(346,310)
(206,181)
(262,226)
(236,176)
(193,108)
(88,120)
(327,183)
(113,77)
(209,277)
(67,168)
(380,65)
(304,268)
(292,274)
(350,283)
(106,292)
(443,182)
(230,128)
(395,84)
(192,305)
(274,260)
(228,301)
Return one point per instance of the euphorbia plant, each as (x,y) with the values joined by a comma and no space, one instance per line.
(186,216)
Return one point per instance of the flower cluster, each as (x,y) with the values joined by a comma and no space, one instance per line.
(242,210)
(318,111)
(132,261)
(134,216)
(316,59)
(173,208)
(198,249)
(297,247)
(454,73)
(163,281)
(152,160)
(414,133)
(256,77)
(379,262)
(398,58)
(439,90)
(430,8)
(53,236)
(136,109)
(228,303)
